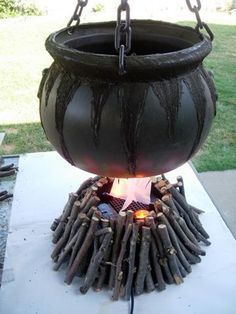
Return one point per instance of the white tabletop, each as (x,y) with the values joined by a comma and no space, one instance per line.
(30,285)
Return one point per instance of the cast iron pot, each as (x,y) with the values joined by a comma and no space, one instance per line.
(146,122)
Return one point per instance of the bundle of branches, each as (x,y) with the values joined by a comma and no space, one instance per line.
(122,252)
(6,171)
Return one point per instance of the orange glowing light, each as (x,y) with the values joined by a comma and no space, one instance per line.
(141,214)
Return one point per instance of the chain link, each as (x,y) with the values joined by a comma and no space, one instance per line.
(200,24)
(194,8)
(123,34)
(77,13)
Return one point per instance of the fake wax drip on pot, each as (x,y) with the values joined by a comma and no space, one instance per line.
(149,120)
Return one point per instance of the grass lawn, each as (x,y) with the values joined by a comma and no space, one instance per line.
(22,58)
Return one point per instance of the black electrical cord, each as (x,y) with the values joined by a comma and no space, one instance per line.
(132,301)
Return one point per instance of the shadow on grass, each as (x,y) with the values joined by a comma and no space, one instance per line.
(24,138)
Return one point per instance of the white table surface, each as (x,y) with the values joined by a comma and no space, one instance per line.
(30,285)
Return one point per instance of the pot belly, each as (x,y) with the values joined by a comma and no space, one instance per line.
(127,129)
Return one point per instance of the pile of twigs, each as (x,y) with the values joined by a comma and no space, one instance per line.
(123,252)
(6,171)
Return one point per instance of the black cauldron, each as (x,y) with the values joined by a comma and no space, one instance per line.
(146,122)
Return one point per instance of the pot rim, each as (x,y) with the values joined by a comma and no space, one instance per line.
(139,67)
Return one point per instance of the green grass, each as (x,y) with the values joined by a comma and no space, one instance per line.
(219,151)
(23,56)
(24,138)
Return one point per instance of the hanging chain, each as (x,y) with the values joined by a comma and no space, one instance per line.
(77,13)
(200,24)
(123,34)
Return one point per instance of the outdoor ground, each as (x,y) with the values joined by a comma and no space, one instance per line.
(23,58)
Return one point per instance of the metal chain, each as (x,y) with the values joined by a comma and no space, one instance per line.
(200,24)
(123,34)
(77,13)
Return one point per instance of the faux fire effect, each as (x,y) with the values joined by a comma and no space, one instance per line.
(144,246)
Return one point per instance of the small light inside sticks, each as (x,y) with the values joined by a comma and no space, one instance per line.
(141,214)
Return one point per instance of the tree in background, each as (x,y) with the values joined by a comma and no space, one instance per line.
(18,7)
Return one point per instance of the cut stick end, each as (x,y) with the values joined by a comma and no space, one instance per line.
(178,280)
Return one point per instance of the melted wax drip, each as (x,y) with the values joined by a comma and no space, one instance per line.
(54,71)
(42,83)
(196,88)
(208,76)
(101,93)
(169,94)
(132,99)
(65,92)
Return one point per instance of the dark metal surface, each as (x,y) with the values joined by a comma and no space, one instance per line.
(159,50)
(148,121)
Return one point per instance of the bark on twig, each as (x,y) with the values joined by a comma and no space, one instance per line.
(66,212)
(8,173)
(155,255)
(131,261)
(119,225)
(94,264)
(83,250)
(143,260)
(162,218)
(170,252)
(119,272)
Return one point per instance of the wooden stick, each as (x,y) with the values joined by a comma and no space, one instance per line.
(103,231)
(78,222)
(93,201)
(162,258)
(83,250)
(182,202)
(66,212)
(63,240)
(162,218)
(3,193)
(79,240)
(119,272)
(119,225)
(149,221)
(132,254)
(8,173)
(181,186)
(55,223)
(143,260)
(192,259)
(64,253)
(182,236)
(167,199)
(94,264)
(7,167)
(86,184)
(197,210)
(170,252)
(92,251)
(149,284)
(186,230)
(129,218)
(86,198)
(193,229)
(181,268)
(104,267)
(155,255)
(91,211)
(5,197)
